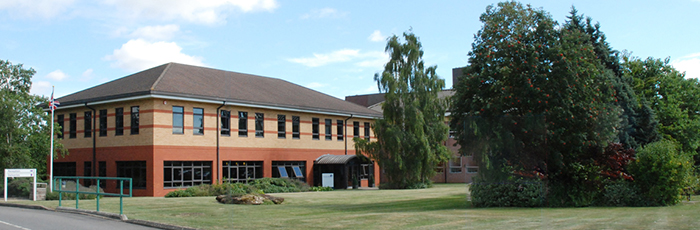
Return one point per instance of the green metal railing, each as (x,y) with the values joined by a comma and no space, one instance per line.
(59,188)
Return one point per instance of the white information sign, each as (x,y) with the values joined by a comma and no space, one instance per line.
(19,173)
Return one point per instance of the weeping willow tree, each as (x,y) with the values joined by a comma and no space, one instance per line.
(411,134)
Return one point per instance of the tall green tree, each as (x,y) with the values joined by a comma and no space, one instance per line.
(535,100)
(672,97)
(24,127)
(411,134)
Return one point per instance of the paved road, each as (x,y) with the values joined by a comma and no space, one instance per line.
(12,218)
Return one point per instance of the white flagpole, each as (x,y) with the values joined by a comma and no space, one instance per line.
(51,164)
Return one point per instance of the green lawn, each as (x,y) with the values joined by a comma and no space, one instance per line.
(441,207)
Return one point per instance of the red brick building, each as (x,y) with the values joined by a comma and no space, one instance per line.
(176,125)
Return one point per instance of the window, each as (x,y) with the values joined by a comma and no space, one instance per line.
(136,170)
(472,169)
(356,129)
(103,122)
(241,171)
(242,124)
(451,134)
(178,120)
(72,124)
(225,122)
(366,170)
(440,167)
(314,128)
(87,121)
(329,127)
(289,169)
(119,121)
(259,125)
(367,131)
(281,126)
(295,127)
(134,120)
(340,130)
(60,126)
(102,172)
(87,171)
(186,173)
(198,121)
(64,169)
(456,165)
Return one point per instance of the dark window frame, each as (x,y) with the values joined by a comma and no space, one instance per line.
(136,170)
(289,168)
(281,126)
(259,125)
(241,171)
(314,128)
(72,123)
(118,121)
(178,119)
(367,127)
(329,129)
(87,124)
(225,122)
(103,122)
(242,124)
(60,122)
(356,128)
(340,131)
(187,173)
(296,120)
(135,116)
(197,127)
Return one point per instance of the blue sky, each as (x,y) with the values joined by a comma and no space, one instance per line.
(334,47)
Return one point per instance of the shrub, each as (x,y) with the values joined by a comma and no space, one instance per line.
(320,189)
(661,172)
(259,186)
(518,193)
(69,196)
(179,193)
(621,193)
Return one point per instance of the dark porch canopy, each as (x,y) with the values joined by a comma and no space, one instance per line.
(347,170)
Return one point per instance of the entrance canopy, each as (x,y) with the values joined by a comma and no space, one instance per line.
(347,169)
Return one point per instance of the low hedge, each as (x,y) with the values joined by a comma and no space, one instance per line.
(258,186)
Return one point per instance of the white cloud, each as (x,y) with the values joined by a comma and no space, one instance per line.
(364,59)
(315,85)
(138,54)
(377,36)
(324,13)
(41,88)
(57,75)
(201,11)
(690,64)
(87,75)
(36,8)
(156,33)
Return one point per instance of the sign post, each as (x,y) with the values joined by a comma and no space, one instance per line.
(19,173)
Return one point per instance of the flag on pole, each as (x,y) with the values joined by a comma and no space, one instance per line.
(53,104)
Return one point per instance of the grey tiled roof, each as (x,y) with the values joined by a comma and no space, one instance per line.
(195,82)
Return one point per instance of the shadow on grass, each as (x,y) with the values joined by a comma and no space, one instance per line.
(453,202)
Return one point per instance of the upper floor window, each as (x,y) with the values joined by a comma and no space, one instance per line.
(198,121)
(225,122)
(356,129)
(314,128)
(295,127)
(87,121)
(60,125)
(242,124)
(367,131)
(178,120)
(259,124)
(340,130)
(119,121)
(329,127)
(281,126)
(103,122)
(72,125)
(134,120)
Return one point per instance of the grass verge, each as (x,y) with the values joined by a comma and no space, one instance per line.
(441,207)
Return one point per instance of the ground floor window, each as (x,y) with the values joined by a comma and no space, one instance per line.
(186,173)
(456,165)
(241,171)
(366,171)
(289,169)
(64,169)
(472,169)
(136,170)
(440,167)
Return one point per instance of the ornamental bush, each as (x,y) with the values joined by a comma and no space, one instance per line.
(661,172)
(518,193)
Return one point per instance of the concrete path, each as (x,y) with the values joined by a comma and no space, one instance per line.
(12,218)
